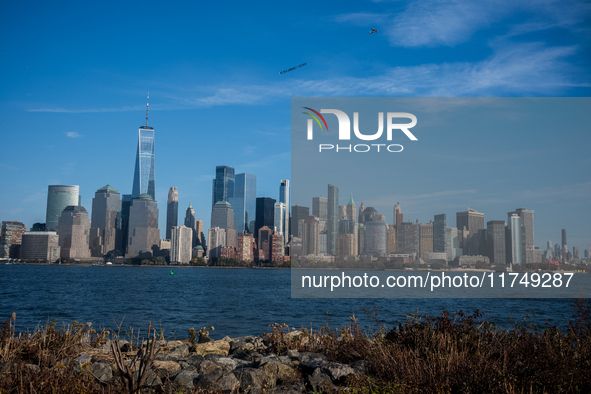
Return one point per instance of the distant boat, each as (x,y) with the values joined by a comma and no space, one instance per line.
(172,273)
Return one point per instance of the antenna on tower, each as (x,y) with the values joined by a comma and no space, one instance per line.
(147,108)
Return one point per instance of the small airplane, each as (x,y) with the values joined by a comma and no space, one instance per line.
(373,31)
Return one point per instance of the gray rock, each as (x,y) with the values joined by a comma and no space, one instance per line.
(308,366)
(204,339)
(206,367)
(361,367)
(249,378)
(293,353)
(83,358)
(179,351)
(311,356)
(248,355)
(106,347)
(209,378)
(101,370)
(152,381)
(228,381)
(194,359)
(227,338)
(124,345)
(318,381)
(337,372)
(185,378)
(166,368)
(226,363)
(284,360)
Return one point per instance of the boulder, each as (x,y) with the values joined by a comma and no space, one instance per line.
(249,378)
(185,378)
(165,368)
(216,347)
(337,372)
(361,367)
(310,365)
(101,370)
(318,381)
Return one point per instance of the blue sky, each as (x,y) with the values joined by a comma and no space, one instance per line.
(74,79)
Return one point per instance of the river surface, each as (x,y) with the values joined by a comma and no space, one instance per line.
(235,301)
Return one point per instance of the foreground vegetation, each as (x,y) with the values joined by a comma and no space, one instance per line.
(452,353)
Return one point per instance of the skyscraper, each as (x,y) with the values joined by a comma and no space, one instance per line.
(192,224)
(439,233)
(180,245)
(58,198)
(514,229)
(332,227)
(398,215)
(527,234)
(106,217)
(351,209)
(298,213)
(265,214)
(408,238)
(172,211)
(279,217)
(497,252)
(222,216)
(73,230)
(143,227)
(284,198)
(473,221)
(223,184)
(425,239)
(320,208)
(244,202)
(143,176)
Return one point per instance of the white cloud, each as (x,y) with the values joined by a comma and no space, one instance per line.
(73,134)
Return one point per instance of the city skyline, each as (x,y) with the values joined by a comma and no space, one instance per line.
(74,97)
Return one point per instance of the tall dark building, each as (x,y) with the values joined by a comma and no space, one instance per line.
(298,213)
(439,232)
(223,184)
(172,211)
(408,238)
(332,226)
(265,214)
(125,207)
(496,237)
(398,215)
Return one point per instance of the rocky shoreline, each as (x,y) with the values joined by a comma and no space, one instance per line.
(245,364)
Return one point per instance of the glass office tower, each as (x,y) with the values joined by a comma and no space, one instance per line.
(244,202)
(143,177)
(58,198)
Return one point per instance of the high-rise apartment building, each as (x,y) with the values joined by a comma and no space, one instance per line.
(279,217)
(180,244)
(320,208)
(144,175)
(172,211)
(216,240)
(106,217)
(347,245)
(222,216)
(191,222)
(284,198)
(223,184)
(332,220)
(144,234)
(73,230)
(58,198)
(310,237)
(244,249)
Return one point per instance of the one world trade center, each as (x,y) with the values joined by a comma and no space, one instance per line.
(143,176)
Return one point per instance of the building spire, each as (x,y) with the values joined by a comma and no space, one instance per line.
(147,108)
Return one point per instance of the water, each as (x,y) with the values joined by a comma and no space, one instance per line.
(235,301)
